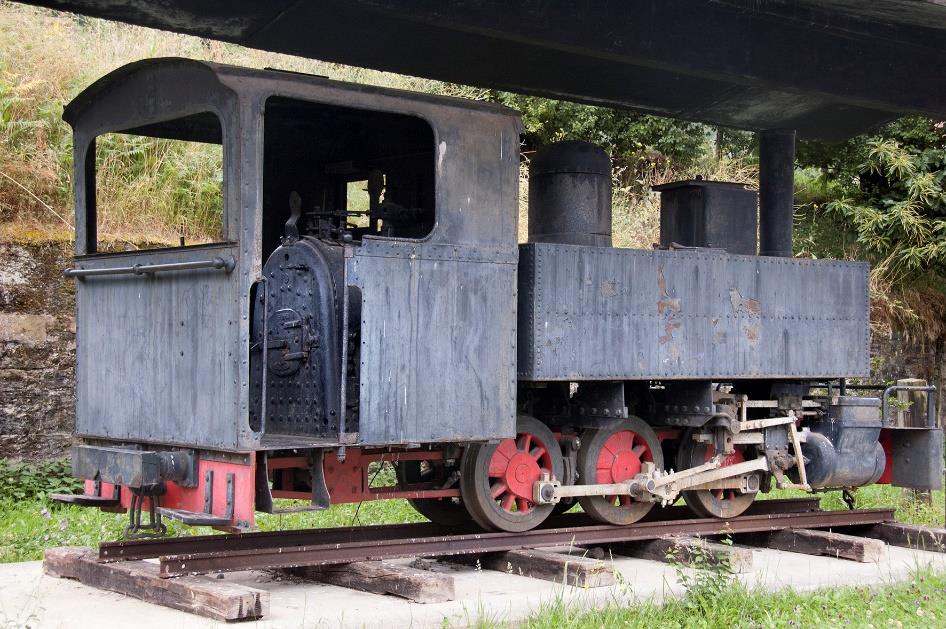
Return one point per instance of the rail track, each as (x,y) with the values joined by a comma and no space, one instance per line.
(428,563)
(320,547)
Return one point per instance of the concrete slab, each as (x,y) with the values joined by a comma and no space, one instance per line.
(30,597)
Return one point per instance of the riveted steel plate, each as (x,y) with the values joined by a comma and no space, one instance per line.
(438,349)
(588,313)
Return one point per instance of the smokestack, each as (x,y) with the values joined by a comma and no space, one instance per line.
(570,195)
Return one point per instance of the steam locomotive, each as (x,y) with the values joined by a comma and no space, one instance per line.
(321,335)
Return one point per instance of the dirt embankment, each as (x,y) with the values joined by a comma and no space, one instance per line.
(37,350)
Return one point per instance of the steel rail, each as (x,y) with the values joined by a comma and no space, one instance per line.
(475,543)
(151,548)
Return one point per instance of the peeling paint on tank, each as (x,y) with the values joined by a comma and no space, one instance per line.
(665,303)
(752,334)
(608,288)
(744,305)
(669,329)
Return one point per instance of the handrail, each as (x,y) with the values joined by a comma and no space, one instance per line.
(930,402)
(224,264)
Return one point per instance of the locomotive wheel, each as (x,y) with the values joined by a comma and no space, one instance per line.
(448,512)
(614,454)
(497,479)
(711,503)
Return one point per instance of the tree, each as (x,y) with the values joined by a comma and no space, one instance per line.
(886,190)
(881,198)
(627,135)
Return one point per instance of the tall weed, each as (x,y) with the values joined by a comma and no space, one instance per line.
(47,58)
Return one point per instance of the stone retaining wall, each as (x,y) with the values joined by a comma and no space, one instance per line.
(37,350)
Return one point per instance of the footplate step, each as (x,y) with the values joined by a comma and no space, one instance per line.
(194,518)
(83,500)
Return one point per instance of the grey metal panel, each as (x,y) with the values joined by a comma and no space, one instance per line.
(477,192)
(438,354)
(594,312)
(159,357)
(917,457)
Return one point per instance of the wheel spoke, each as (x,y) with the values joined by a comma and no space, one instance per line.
(508,501)
(525,440)
(498,489)
(537,453)
(501,457)
(639,450)
(522,505)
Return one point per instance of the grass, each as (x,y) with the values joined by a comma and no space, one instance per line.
(28,527)
(880,497)
(919,603)
(30,523)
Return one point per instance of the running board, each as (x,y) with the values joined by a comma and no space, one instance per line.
(83,500)
(205,517)
(194,518)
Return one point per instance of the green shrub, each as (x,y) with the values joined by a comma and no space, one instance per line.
(25,481)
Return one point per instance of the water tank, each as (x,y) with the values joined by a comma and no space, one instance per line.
(570,194)
(714,214)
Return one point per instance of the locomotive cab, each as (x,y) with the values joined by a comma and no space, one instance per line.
(367,259)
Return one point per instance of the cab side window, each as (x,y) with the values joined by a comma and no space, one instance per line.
(160,186)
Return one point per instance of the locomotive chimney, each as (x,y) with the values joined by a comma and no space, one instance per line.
(570,195)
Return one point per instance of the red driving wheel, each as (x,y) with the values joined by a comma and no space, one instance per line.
(514,468)
(732,459)
(613,454)
(712,503)
(497,481)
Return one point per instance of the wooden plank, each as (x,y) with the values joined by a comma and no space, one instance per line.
(911,405)
(688,550)
(381,577)
(551,566)
(583,552)
(204,596)
(812,542)
(908,536)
